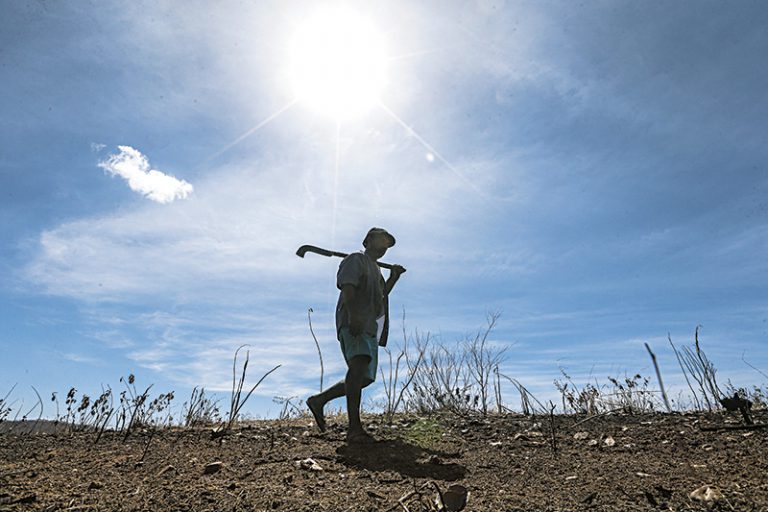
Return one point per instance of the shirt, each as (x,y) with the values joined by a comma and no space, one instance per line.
(362,272)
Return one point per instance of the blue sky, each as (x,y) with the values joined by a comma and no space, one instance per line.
(596,172)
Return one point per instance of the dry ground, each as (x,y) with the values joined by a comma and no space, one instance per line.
(614,462)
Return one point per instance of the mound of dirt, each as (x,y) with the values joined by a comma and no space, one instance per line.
(509,463)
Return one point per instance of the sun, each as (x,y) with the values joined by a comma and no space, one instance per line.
(337,63)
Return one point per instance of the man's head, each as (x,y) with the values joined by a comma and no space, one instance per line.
(377,241)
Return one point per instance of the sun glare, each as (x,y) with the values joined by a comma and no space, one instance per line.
(338,63)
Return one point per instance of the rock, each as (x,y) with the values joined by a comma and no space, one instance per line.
(592,442)
(706,494)
(309,464)
(609,441)
(455,498)
(212,467)
(580,436)
(95,485)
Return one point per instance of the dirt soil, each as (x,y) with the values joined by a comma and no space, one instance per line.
(507,463)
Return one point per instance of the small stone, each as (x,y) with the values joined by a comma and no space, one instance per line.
(495,443)
(309,464)
(592,442)
(706,493)
(641,474)
(95,485)
(609,441)
(572,477)
(455,498)
(212,467)
(580,436)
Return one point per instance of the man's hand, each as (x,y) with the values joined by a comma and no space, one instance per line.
(396,271)
(355,326)
(394,275)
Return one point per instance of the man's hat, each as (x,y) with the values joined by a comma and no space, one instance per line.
(378,231)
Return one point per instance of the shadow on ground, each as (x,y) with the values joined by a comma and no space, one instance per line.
(401,457)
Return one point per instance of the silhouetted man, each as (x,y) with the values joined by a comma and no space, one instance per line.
(361,325)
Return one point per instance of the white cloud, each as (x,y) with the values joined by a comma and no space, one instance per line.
(131,165)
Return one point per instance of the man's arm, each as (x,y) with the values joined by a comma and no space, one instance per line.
(394,275)
(348,294)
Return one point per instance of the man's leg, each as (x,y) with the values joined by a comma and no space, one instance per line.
(316,403)
(358,367)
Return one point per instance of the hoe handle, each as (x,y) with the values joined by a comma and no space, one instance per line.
(325,252)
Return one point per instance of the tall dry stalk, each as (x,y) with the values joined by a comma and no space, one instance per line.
(694,363)
(394,398)
(482,359)
(658,376)
(236,403)
(319,352)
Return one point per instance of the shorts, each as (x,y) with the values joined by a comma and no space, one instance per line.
(362,345)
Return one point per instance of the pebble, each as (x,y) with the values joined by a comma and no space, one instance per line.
(212,467)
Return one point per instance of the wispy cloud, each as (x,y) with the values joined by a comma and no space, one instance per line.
(134,167)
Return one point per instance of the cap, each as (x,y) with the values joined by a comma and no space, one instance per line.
(379,231)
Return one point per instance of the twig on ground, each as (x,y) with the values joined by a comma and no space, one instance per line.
(149,441)
(757,426)
(525,397)
(552,427)
(604,413)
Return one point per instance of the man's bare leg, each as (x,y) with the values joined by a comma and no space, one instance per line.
(316,403)
(358,366)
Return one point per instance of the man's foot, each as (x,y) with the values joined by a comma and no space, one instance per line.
(317,411)
(358,438)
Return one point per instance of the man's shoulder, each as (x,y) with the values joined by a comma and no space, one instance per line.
(355,257)
(353,261)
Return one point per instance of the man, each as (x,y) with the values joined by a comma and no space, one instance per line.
(361,326)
